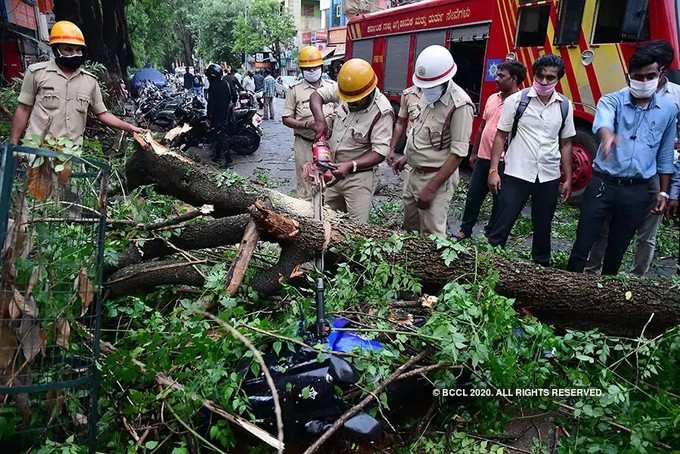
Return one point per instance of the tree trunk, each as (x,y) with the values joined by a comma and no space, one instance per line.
(564,298)
(104,25)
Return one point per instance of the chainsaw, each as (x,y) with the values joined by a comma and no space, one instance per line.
(306,386)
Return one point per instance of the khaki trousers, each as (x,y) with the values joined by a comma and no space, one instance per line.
(302,150)
(353,195)
(433,219)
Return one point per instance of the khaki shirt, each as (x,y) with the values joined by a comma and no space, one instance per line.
(355,133)
(440,129)
(297,105)
(408,106)
(60,102)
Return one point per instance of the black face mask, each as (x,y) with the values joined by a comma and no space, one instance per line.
(70,62)
(361,105)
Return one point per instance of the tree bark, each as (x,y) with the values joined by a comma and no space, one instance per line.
(564,298)
(197,235)
(104,25)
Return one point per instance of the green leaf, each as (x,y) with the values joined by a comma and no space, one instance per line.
(151,444)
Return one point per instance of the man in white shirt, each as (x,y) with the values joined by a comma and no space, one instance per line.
(539,124)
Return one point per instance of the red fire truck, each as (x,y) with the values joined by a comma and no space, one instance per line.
(594,37)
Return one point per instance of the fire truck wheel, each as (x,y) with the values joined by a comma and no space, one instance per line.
(584,147)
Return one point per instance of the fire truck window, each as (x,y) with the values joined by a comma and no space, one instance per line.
(363,49)
(424,39)
(469,57)
(569,27)
(396,59)
(533,26)
(615,24)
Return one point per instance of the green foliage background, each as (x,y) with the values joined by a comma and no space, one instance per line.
(219,30)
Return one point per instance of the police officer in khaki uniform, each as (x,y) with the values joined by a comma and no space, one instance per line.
(437,141)
(56,95)
(408,108)
(360,138)
(298,116)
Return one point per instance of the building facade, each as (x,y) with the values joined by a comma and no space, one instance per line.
(24,35)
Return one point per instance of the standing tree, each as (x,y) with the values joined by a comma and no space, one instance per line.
(160,31)
(265,24)
(104,25)
(212,23)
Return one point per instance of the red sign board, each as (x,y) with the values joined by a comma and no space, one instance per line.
(21,14)
(404,20)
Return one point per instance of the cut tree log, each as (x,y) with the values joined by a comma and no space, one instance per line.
(617,306)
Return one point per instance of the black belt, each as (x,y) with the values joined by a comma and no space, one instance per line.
(621,181)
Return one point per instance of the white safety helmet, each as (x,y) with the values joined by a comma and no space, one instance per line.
(434,66)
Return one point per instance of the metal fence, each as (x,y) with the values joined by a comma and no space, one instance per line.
(52,226)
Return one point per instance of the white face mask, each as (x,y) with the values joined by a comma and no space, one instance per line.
(312,75)
(643,90)
(432,95)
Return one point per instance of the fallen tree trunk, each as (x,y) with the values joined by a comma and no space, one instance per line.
(567,299)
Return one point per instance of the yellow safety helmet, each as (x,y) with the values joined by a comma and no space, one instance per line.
(356,80)
(310,57)
(65,32)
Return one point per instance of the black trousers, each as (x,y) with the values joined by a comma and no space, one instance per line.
(512,198)
(475,197)
(627,205)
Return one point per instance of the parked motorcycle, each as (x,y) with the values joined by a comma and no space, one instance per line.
(242,135)
(246,100)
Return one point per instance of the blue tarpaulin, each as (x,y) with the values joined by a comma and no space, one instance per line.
(346,341)
(148,74)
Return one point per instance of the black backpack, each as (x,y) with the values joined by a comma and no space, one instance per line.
(524,103)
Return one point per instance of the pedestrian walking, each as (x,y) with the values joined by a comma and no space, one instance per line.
(198,85)
(637,129)
(269,94)
(647,232)
(56,95)
(188,82)
(437,142)
(298,116)
(538,125)
(259,81)
(219,106)
(509,76)
(360,138)
(248,82)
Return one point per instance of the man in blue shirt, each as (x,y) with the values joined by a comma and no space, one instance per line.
(647,232)
(637,132)
(269,94)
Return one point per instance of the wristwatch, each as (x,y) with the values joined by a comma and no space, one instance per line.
(492,171)
(664,195)
(354,166)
